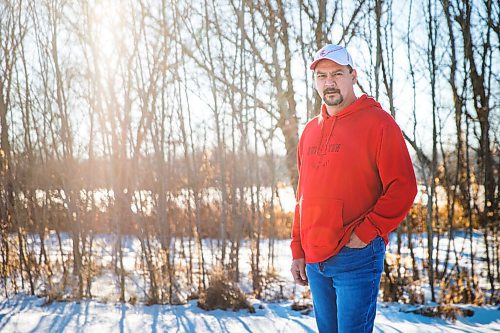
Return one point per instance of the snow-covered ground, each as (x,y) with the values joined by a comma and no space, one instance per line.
(22,313)
(29,314)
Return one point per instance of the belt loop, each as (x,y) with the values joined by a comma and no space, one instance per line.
(321,266)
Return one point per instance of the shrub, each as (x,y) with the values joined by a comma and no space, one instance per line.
(223,294)
(459,288)
(273,287)
(443,311)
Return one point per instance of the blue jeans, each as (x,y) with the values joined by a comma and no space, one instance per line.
(345,288)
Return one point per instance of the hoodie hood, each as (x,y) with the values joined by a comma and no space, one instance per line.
(362,103)
(328,123)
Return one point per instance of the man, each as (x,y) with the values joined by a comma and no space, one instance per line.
(356,184)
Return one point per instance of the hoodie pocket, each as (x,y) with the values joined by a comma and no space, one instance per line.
(321,221)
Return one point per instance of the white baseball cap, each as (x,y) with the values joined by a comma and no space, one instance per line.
(334,53)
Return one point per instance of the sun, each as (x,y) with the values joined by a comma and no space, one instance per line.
(108,30)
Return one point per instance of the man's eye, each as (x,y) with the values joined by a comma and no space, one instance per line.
(321,76)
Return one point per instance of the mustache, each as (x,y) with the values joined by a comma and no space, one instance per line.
(330,91)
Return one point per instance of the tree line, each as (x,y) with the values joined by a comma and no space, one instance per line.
(173,121)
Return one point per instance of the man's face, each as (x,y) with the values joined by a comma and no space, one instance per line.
(334,82)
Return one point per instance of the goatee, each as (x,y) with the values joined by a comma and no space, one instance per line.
(333,101)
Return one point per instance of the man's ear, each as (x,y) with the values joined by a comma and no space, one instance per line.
(354,76)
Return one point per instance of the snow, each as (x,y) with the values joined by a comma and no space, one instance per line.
(25,313)
(395,318)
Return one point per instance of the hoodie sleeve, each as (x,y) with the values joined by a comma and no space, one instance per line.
(399,186)
(296,245)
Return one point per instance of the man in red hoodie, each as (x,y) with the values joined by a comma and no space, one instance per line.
(356,184)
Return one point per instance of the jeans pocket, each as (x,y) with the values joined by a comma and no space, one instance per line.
(378,244)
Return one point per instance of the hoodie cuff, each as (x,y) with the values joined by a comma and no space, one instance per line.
(297,252)
(366,231)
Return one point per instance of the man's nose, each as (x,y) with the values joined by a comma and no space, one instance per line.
(330,81)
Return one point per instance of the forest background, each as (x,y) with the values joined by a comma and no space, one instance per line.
(176,122)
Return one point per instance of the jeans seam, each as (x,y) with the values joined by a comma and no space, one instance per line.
(373,288)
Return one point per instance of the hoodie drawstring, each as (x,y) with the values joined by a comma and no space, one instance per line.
(323,148)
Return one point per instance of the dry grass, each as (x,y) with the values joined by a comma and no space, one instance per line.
(223,294)
(444,312)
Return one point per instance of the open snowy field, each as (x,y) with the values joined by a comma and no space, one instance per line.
(23,313)
(29,314)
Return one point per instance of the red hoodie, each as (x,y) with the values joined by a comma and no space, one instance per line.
(355,173)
